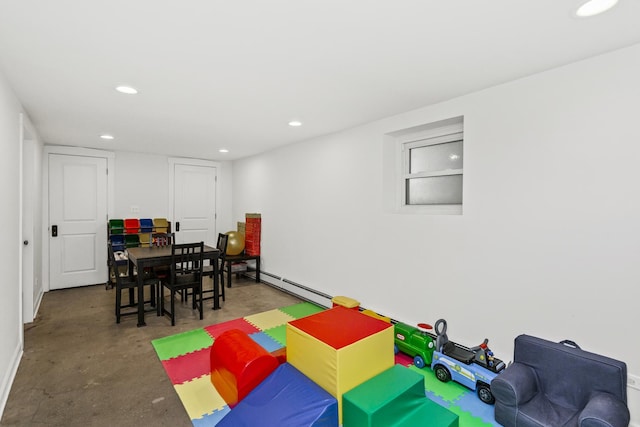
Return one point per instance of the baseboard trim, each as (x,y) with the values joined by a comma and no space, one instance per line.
(295,289)
(37,304)
(8,379)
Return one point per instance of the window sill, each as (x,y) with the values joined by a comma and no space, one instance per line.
(430,209)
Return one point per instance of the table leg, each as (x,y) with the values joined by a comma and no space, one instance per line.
(141,296)
(258,270)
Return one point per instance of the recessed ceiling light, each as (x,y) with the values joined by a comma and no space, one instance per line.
(223,150)
(127,89)
(106,136)
(295,123)
(595,7)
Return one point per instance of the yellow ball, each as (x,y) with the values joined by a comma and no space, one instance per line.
(235,244)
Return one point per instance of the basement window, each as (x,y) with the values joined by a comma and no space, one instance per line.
(433,171)
(429,174)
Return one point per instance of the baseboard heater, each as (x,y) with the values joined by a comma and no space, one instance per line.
(296,289)
(292,288)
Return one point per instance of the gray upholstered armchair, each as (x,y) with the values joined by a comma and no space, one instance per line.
(558,384)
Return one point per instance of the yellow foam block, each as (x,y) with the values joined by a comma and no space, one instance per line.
(345,301)
(339,368)
(199,397)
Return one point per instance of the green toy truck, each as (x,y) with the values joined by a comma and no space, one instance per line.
(415,342)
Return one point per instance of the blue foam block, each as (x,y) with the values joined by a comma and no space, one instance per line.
(285,398)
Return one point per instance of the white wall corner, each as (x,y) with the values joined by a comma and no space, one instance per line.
(9,377)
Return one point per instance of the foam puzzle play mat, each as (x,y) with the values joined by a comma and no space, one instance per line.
(304,365)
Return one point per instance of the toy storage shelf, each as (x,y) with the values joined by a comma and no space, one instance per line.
(132,232)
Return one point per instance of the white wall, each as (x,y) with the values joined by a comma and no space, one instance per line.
(10,302)
(549,240)
(142,182)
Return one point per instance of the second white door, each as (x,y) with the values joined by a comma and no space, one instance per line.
(194,203)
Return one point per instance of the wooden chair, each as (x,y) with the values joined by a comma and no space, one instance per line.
(223,240)
(160,272)
(185,275)
(123,282)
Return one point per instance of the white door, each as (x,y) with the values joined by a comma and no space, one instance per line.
(194,204)
(77,220)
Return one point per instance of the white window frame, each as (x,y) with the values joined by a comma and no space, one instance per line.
(423,138)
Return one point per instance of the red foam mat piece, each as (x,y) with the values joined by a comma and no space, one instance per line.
(188,366)
(216,330)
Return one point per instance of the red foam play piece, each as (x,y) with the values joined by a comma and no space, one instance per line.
(238,365)
(188,366)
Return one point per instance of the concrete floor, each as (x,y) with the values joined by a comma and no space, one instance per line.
(80,368)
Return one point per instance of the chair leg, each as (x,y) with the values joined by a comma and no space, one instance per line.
(173,309)
(159,303)
(118,303)
(221,284)
(153,291)
(162,309)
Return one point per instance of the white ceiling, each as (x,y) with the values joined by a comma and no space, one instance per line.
(231,74)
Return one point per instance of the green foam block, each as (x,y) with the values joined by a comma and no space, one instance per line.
(396,397)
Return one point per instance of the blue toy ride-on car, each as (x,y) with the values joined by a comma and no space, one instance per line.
(472,367)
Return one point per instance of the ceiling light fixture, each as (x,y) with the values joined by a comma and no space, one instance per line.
(295,123)
(106,136)
(223,150)
(127,89)
(595,7)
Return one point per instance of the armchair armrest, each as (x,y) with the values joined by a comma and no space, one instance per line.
(515,386)
(604,410)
